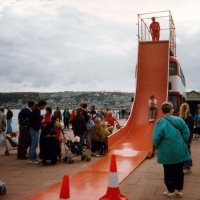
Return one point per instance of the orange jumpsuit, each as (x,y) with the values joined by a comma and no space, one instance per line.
(155,31)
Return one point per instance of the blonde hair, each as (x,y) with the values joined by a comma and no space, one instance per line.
(109,113)
(103,124)
(184,110)
(57,125)
(97,120)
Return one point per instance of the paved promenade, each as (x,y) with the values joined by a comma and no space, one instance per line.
(144,183)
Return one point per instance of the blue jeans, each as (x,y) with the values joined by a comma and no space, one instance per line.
(35,135)
(152,113)
(9,127)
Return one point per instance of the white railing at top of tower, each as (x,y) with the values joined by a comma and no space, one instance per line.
(167,28)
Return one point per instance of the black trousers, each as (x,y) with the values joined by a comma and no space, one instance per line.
(66,122)
(174,176)
(95,146)
(24,141)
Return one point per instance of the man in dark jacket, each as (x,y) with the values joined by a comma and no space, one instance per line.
(24,131)
(35,126)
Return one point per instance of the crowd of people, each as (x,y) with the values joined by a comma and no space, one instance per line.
(172,135)
(47,130)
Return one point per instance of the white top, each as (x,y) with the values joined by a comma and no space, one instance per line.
(153,102)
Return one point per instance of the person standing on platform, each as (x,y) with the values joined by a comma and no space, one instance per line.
(155,29)
(9,116)
(170,135)
(24,131)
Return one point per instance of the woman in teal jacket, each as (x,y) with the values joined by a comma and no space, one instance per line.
(169,138)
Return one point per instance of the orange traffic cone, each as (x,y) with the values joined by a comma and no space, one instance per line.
(64,192)
(113,192)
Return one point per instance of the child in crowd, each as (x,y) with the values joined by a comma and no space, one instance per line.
(104,134)
(111,121)
(95,133)
(58,132)
(14,138)
(88,125)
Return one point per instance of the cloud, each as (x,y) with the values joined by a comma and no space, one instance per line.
(83,45)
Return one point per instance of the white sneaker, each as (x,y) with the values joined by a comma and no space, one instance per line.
(169,194)
(179,194)
(187,171)
(93,154)
(34,162)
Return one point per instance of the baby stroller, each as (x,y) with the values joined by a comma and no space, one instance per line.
(10,142)
(73,148)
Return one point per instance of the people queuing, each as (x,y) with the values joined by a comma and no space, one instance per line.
(43,133)
(172,136)
(33,128)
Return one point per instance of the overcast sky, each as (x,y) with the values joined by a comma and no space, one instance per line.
(86,45)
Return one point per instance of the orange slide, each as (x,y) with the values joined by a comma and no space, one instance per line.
(132,143)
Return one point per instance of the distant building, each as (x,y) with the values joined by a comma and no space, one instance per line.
(193,99)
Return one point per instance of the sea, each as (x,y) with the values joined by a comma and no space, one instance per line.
(15,125)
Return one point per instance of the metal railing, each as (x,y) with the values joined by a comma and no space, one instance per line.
(167,28)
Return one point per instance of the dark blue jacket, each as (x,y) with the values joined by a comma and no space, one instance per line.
(36,119)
